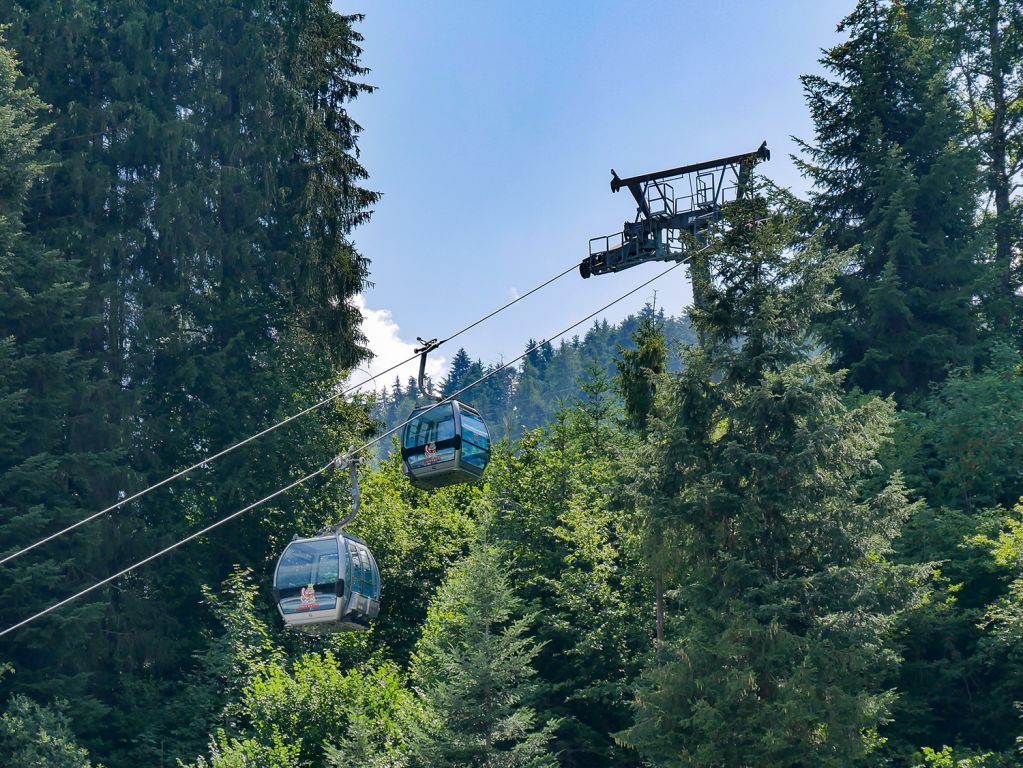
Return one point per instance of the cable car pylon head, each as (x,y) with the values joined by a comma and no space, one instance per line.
(672,206)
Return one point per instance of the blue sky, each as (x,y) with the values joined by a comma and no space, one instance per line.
(494,127)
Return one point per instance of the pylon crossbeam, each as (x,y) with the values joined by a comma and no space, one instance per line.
(662,216)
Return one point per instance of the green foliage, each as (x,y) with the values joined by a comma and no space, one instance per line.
(240,650)
(576,564)
(415,537)
(912,120)
(942,641)
(244,753)
(303,712)
(473,668)
(638,370)
(33,736)
(965,639)
(201,184)
(316,699)
(949,758)
(178,187)
(46,464)
(984,40)
(965,448)
(896,182)
(962,451)
(753,489)
(1001,648)
(359,751)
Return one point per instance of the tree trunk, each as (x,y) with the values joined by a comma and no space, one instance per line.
(999,142)
(659,615)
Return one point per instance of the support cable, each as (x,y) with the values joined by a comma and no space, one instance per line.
(199,464)
(332,463)
(167,549)
(513,301)
(268,430)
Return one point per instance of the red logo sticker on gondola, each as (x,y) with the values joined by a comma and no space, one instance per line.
(307,598)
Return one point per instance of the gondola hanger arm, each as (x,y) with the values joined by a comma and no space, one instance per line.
(427,347)
(349,460)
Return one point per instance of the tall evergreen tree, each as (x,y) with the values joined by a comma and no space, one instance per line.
(894,180)
(474,670)
(46,469)
(576,566)
(985,40)
(206,176)
(638,370)
(456,378)
(751,487)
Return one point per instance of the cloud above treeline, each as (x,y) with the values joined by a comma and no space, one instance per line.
(386,342)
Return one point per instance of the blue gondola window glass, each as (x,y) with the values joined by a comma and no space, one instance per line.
(327,568)
(357,567)
(367,572)
(375,573)
(475,441)
(309,562)
(348,566)
(426,431)
(432,426)
(305,563)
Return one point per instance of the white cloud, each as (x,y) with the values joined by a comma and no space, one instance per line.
(388,347)
(513,292)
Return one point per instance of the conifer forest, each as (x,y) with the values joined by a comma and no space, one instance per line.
(782,526)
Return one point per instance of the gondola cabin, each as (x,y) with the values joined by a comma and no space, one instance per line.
(444,444)
(327,584)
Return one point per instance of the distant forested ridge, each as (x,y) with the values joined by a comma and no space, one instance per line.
(784,528)
(527,395)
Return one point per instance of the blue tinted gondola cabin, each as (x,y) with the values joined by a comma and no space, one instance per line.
(444,444)
(327,584)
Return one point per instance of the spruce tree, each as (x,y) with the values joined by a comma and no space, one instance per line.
(638,370)
(753,493)
(205,175)
(474,671)
(528,398)
(45,470)
(985,42)
(576,565)
(894,181)
(33,736)
(456,378)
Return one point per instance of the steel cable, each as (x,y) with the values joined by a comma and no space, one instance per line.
(278,425)
(326,466)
